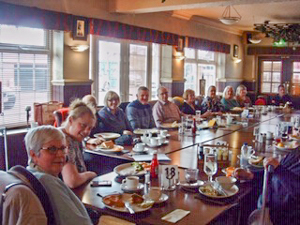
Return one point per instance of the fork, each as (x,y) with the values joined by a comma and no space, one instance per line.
(128,206)
(219,189)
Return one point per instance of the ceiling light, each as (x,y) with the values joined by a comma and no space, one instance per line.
(227,18)
(254,41)
(79,48)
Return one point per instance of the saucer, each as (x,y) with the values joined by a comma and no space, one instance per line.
(153,146)
(125,188)
(137,151)
(166,142)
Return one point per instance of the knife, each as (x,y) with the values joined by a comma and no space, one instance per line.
(128,206)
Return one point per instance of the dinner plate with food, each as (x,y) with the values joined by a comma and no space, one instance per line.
(287,145)
(109,147)
(107,136)
(256,161)
(117,202)
(236,110)
(173,125)
(210,191)
(145,131)
(134,168)
(295,137)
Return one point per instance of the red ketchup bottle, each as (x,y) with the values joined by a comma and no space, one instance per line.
(194,129)
(154,166)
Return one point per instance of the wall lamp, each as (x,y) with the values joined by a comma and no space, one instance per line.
(79,48)
(179,55)
(236,60)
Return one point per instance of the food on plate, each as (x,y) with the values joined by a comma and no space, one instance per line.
(107,144)
(140,166)
(280,144)
(114,201)
(242,174)
(257,160)
(295,137)
(136,199)
(209,190)
(237,109)
(229,171)
(174,124)
(146,204)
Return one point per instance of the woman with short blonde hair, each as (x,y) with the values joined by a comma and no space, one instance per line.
(228,100)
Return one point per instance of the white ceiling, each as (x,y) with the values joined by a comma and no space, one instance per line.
(208,11)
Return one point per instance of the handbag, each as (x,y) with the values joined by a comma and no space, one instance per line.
(43,112)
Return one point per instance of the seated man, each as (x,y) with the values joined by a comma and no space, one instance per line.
(281,98)
(165,111)
(285,188)
(139,112)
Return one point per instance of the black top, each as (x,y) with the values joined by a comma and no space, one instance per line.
(187,109)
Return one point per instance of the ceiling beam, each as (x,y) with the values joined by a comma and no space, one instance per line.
(150,6)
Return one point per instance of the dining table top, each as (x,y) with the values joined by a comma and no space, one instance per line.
(183,151)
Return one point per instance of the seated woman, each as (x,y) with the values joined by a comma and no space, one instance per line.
(281,98)
(46,149)
(228,100)
(241,96)
(78,125)
(189,107)
(114,119)
(212,102)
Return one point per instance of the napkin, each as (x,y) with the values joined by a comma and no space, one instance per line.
(160,157)
(175,215)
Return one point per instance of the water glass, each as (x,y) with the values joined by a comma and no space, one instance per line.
(191,175)
(210,165)
(198,113)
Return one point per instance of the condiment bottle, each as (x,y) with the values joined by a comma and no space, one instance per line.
(154,166)
(194,129)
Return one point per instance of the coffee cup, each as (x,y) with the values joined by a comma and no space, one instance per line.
(154,193)
(144,139)
(229,120)
(269,135)
(154,141)
(163,132)
(162,138)
(131,182)
(139,147)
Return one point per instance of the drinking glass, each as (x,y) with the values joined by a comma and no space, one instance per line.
(198,113)
(210,165)
(191,175)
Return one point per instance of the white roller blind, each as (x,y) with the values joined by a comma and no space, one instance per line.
(24,72)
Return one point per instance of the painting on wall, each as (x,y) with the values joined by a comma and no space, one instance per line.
(80,28)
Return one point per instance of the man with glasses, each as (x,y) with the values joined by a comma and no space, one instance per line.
(165,111)
(139,112)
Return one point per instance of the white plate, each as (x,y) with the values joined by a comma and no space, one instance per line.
(170,125)
(288,145)
(164,197)
(107,136)
(230,192)
(124,187)
(127,169)
(142,131)
(295,138)
(254,165)
(153,146)
(116,148)
(138,151)
(135,207)
(194,185)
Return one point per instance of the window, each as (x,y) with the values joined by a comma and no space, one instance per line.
(24,71)
(123,66)
(199,64)
(270,76)
(296,79)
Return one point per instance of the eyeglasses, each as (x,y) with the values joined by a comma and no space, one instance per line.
(53,150)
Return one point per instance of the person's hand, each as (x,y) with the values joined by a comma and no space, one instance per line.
(218,113)
(271,161)
(242,174)
(128,132)
(208,113)
(95,141)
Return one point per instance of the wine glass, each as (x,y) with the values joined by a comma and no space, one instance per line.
(210,165)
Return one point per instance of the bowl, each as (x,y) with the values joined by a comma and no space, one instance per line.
(226,182)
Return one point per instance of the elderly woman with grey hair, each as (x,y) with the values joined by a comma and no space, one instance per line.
(228,100)
(241,96)
(46,149)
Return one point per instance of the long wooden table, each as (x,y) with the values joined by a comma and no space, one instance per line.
(183,151)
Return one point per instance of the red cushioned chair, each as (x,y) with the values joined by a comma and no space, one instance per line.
(60,116)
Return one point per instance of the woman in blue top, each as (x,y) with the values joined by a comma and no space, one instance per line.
(212,102)
(113,117)
(228,99)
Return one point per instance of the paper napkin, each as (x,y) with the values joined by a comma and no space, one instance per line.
(175,215)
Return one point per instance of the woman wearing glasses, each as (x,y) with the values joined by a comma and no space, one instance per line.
(78,125)
(46,149)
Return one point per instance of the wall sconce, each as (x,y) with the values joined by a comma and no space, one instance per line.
(179,56)
(236,60)
(79,48)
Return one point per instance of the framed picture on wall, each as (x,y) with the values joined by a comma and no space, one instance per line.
(235,51)
(80,28)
